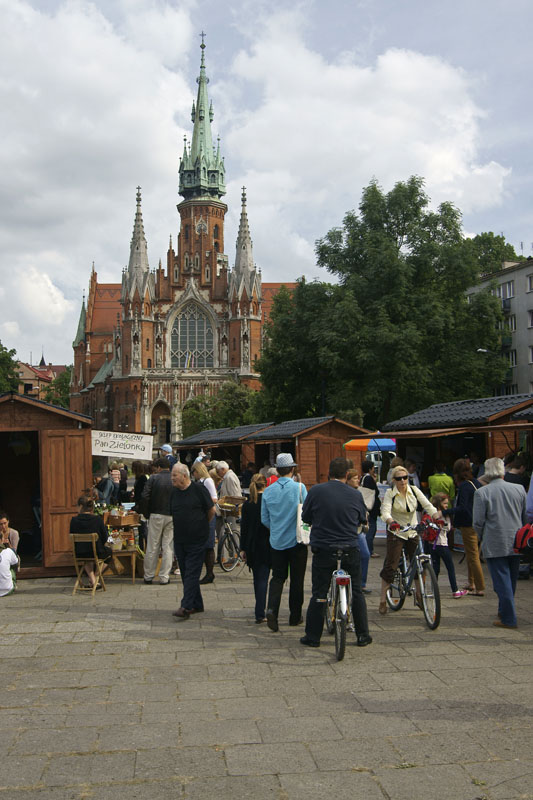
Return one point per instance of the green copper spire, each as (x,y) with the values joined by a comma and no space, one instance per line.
(80,334)
(201,167)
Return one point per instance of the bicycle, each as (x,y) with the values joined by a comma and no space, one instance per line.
(229,540)
(339,605)
(419,573)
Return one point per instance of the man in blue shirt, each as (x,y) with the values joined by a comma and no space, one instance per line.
(278,513)
(335,511)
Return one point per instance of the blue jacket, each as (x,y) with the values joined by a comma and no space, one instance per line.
(278,511)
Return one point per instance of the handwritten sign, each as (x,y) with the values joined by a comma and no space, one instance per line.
(128,445)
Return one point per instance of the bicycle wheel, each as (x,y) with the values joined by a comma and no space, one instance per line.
(429,589)
(330,609)
(396,593)
(340,625)
(228,551)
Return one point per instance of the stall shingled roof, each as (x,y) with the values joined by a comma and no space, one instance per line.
(462,412)
(291,428)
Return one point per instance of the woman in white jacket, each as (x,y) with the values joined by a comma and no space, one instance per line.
(399,509)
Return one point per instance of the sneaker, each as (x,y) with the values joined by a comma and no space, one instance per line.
(459,593)
(350,627)
(366,591)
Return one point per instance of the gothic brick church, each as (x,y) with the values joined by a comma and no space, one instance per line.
(146,346)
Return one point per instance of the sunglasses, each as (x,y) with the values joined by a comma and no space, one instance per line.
(402,478)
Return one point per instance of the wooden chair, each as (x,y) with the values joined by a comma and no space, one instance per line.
(79,562)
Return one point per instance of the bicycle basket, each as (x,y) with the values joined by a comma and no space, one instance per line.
(427,529)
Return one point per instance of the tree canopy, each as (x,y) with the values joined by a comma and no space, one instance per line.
(230,407)
(9,380)
(58,392)
(491,251)
(397,333)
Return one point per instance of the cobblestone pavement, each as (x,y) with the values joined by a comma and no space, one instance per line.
(115,698)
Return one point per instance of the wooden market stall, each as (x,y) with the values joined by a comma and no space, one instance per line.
(485,427)
(46,463)
(313,442)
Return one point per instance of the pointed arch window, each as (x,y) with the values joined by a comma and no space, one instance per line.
(192,339)
(215,232)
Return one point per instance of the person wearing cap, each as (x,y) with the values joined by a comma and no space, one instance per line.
(278,514)
(336,512)
(167,451)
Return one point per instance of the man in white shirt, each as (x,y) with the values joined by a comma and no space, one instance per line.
(8,562)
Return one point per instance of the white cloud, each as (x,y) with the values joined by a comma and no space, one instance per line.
(96,99)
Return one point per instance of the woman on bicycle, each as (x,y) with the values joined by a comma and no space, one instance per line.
(398,510)
(255,544)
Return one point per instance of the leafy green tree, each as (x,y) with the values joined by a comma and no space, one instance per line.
(491,251)
(58,393)
(397,333)
(231,406)
(308,347)
(9,380)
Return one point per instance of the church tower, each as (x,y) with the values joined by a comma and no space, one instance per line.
(179,331)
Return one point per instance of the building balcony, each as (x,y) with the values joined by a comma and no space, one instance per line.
(506,305)
(506,341)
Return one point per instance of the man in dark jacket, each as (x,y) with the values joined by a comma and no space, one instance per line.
(192,509)
(155,505)
(335,511)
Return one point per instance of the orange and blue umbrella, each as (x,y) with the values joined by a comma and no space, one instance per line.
(371,444)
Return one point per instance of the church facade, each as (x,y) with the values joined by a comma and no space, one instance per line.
(147,345)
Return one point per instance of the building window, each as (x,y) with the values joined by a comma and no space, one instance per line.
(530,387)
(176,274)
(148,344)
(510,322)
(127,362)
(215,232)
(530,283)
(511,357)
(149,363)
(511,389)
(207,273)
(530,354)
(186,233)
(192,339)
(507,290)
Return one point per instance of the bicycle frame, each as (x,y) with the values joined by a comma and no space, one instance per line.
(411,571)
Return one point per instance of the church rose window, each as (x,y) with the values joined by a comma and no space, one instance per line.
(191,339)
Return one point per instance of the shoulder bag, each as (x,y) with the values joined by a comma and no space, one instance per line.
(303,530)
(369,496)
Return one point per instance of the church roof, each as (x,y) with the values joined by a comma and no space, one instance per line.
(105,370)
(106,307)
(80,334)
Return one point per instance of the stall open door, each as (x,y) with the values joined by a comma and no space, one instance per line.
(65,472)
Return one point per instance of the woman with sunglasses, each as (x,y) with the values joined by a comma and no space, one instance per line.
(399,509)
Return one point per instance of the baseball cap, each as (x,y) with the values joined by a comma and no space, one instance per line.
(285,460)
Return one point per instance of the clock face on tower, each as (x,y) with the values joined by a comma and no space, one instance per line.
(201,227)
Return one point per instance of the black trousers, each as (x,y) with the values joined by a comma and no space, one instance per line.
(324,562)
(295,559)
(191,560)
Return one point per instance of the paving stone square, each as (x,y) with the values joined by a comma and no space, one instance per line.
(112,697)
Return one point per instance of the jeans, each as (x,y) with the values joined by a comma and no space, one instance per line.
(294,558)
(260,574)
(365,556)
(160,536)
(324,562)
(504,574)
(191,559)
(370,534)
(441,551)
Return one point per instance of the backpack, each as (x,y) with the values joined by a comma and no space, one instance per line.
(523,541)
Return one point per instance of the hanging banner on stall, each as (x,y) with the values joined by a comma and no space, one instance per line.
(128,445)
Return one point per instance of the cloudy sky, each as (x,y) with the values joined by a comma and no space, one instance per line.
(311,101)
